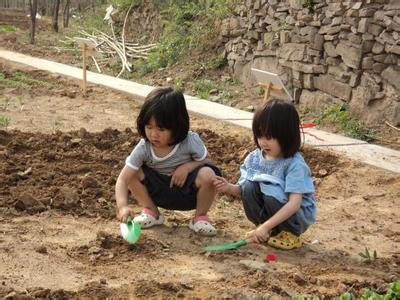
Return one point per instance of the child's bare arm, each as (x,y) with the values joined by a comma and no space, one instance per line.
(121,193)
(223,186)
(288,210)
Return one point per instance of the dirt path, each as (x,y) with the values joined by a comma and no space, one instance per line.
(59,158)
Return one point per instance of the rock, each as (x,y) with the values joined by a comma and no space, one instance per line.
(28,202)
(330,49)
(41,293)
(292,51)
(351,56)
(89,182)
(330,86)
(41,249)
(299,279)
(392,75)
(252,264)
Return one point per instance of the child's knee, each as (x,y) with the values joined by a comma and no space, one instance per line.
(205,176)
(249,189)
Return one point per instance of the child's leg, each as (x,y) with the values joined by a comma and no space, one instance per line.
(253,202)
(205,196)
(206,191)
(140,193)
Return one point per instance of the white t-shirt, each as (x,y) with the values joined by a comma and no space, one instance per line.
(191,148)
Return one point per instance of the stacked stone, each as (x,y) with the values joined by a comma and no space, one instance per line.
(329,51)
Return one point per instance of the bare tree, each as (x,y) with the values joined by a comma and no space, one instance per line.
(33,9)
(66,13)
(55,15)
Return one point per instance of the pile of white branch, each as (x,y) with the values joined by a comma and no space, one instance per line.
(109,47)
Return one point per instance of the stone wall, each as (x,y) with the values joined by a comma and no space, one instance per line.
(326,51)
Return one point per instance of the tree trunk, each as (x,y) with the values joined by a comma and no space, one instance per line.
(33,9)
(55,15)
(66,13)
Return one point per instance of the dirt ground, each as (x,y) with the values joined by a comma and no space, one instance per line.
(59,238)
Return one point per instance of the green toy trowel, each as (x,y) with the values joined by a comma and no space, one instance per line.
(227,246)
(130,231)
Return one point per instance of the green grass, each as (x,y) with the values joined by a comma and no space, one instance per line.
(24,81)
(188,25)
(5,121)
(203,87)
(393,293)
(218,62)
(8,28)
(339,116)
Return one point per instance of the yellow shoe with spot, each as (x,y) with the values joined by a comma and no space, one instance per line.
(285,240)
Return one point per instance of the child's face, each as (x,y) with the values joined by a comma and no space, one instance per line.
(270,148)
(158,137)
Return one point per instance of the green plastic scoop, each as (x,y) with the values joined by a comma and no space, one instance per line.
(226,246)
(130,231)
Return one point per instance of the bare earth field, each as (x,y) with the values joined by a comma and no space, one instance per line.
(59,238)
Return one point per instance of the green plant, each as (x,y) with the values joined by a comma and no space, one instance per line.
(5,121)
(218,62)
(7,101)
(178,84)
(56,125)
(367,256)
(188,25)
(350,127)
(281,27)
(203,87)
(309,4)
(392,293)
(8,28)
(124,4)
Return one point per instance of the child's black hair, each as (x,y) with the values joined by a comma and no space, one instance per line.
(278,119)
(168,109)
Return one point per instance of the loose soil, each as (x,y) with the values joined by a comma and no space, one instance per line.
(48,46)
(59,238)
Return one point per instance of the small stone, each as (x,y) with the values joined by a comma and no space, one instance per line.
(41,249)
(299,279)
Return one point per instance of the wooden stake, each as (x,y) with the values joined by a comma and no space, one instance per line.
(269,87)
(84,63)
(267,92)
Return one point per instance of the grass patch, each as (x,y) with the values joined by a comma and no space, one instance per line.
(392,293)
(188,25)
(339,116)
(22,80)
(203,88)
(8,28)
(5,121)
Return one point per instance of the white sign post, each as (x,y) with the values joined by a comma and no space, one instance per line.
(271,83)
(88,48)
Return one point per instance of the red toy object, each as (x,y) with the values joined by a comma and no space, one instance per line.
(307,125)
(270,257)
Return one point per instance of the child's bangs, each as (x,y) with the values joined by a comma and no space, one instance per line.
(160,117)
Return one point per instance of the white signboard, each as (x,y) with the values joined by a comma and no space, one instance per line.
(88,44)
(264,77)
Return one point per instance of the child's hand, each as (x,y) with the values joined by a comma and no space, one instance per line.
(259,235)
(124,212)
(220,184)
(178,177)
